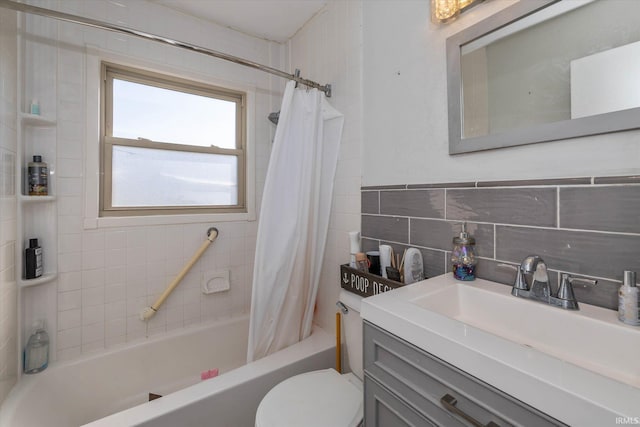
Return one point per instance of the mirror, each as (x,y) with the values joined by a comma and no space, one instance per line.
(544,70)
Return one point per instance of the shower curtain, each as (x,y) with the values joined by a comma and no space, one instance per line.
(294,219)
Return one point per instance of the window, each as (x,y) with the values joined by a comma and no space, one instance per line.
(170,146)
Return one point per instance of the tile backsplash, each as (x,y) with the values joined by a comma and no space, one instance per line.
(588,227)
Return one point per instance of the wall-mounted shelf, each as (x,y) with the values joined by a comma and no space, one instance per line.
(45,278)
(36,120)
(36,199)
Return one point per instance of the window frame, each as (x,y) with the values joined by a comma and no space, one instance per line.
(109,71)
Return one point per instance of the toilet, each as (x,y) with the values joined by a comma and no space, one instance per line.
(325,397)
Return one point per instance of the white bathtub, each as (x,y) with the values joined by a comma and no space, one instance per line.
(118,382)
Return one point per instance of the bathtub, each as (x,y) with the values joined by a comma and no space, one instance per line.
(112,389)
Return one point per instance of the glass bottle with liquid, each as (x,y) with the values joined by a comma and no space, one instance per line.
(463,256)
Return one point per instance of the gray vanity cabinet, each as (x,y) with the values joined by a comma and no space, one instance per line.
(406,386)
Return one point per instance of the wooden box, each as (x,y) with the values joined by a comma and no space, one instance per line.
(365,284)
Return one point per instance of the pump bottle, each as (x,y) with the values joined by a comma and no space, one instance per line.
(628,301)
(36,353)
(463,256)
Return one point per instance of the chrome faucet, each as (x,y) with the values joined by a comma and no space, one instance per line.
(540,290)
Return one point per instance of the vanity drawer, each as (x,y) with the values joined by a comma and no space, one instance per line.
(383,409)
(424,381)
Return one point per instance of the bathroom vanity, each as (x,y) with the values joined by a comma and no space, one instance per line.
(406,386)
(443,352)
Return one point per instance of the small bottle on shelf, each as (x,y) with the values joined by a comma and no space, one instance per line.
(34,107)
(33,260)
(38,173)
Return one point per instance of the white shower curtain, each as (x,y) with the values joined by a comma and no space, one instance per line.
(294,219)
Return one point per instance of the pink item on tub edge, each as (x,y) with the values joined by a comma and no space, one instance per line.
(205,375)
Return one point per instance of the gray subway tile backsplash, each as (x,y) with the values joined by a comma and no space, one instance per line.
(531,182)
(385,228)
(367,245)
(434,262)
(370,202)
(415,203)
(605,208)
(526,206)
(439,234)
(628,179)
(589,227)
(580,252)
(444,185)
(604,294)
(431,233)
(385,187)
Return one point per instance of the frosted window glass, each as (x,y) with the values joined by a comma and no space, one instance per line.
(164,115)
(144,177)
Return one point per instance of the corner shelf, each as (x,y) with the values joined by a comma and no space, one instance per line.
(36,120)
(45,278)
(37,216)
(36,199)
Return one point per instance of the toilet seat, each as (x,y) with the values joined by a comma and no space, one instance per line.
(313,399)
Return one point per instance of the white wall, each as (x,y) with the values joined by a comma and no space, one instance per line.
(8,146)
(329,50)
(405,111)
(107,275)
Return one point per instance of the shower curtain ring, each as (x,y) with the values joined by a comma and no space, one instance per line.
(296,73)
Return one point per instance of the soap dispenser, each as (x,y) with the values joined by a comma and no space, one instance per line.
(463,256)
(36,353)
(628,301)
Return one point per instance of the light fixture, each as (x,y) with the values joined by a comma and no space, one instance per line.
(443,11)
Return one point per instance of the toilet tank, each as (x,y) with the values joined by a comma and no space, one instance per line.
(352,332)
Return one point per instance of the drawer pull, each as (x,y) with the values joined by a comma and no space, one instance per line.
(449,402)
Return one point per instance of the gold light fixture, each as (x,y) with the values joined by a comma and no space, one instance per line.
(443,11)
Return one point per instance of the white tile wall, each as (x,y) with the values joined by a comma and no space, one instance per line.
(8,147)
(108,275)
(329,50)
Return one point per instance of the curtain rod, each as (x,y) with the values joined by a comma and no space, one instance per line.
(21,7)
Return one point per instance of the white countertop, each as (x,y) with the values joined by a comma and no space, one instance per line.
(568,392)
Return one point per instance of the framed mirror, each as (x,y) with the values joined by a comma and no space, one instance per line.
(544,70)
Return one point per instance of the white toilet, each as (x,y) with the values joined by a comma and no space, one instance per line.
(321,398)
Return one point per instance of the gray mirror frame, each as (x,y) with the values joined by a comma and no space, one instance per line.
(593,125)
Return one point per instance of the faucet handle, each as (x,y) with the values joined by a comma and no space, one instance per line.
(583,281)
(565,290)
(520,282)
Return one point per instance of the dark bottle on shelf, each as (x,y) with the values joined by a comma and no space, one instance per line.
(33,260)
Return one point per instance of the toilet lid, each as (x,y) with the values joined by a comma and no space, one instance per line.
(314,399)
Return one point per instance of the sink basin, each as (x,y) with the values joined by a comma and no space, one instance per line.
(592,338)
(580,367)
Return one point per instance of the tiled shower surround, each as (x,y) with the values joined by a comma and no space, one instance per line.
(8,199)
(588,227)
